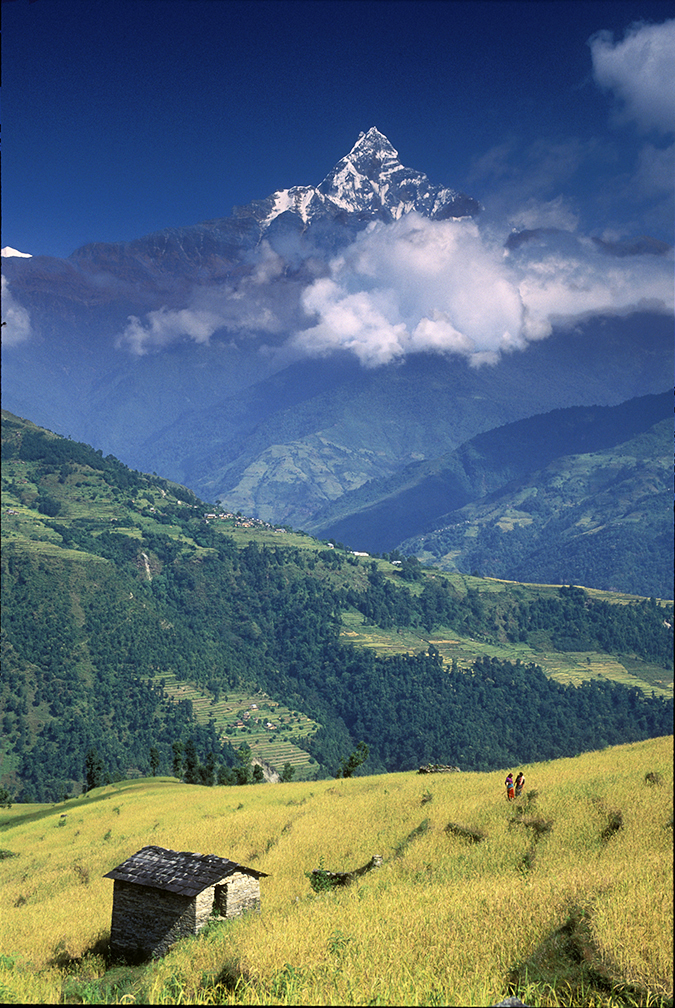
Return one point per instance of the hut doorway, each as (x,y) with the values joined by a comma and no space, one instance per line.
(219,901)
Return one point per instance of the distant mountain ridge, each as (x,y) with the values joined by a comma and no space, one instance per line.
(369,183)
(487,463)
(163,351)
(578,494)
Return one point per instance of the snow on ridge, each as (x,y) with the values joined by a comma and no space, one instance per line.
(303,197)
(296,199)
(370,178)
(7,252)
(282,201)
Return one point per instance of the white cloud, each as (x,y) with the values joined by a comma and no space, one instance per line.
(17,327)
(166,326)
(418,285)
(443,286)
(257,305)
(641,72)
(555,213)
(410,286)
(563,285)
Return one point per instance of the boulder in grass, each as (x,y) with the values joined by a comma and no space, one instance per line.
(438,768)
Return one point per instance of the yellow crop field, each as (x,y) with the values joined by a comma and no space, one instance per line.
(563,897)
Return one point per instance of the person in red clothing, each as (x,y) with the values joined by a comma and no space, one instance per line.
(510,793)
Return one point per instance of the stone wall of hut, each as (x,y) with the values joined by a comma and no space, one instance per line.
(236,894)
(147,921)
(233,896)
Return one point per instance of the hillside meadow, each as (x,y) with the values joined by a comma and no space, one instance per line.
(563,897)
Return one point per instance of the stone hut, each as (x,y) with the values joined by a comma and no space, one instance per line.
(162,895)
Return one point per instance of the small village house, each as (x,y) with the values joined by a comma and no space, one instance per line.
(162,895)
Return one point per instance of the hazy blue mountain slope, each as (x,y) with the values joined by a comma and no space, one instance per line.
(601,518)
(179,351)
(288,447)
(383,513)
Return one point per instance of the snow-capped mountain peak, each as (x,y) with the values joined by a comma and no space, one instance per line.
(369,181)
(302,225)
(371,155)
(8,252)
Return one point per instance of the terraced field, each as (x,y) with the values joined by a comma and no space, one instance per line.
(242,716)
(565,667)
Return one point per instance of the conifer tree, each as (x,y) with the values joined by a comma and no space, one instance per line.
(177,764)
(94,770)
(243,771)
(192,775)
(353,762)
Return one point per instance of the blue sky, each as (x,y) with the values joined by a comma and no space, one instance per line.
(126,116)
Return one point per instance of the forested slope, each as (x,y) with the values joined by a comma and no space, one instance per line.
(113,579)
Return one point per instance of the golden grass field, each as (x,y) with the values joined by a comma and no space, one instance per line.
(560,917)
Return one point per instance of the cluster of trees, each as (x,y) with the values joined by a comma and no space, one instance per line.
(387,604)
(261,615)
(186,765)
(575,622)
(76,680)
(411,709)
(572,620)
(85,645)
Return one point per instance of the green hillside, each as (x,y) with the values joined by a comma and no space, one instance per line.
(580,494)
(601,518)
(562,898)
(143,630)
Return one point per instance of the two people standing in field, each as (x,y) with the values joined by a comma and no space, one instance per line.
(514,791)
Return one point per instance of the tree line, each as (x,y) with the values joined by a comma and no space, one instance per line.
(85,644)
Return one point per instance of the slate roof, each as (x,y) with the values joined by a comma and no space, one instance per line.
(177,871)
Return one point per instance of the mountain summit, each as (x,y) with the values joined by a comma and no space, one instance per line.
(371,178)
(198,351)
(369,182)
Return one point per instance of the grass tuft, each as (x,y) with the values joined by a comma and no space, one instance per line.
(614,824)
(401,848)
(472,835)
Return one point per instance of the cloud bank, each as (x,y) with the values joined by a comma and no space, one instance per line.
(418,285)
(443,286)
(261,303)
(641,72)
(16,320)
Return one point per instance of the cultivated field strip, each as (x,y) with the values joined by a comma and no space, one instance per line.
(243,716)
(563,666)
(561,898)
